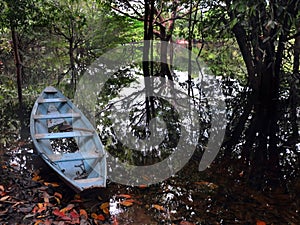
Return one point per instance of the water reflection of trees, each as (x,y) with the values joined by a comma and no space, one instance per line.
(265,136)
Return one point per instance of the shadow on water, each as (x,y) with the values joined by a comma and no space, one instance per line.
(235,189)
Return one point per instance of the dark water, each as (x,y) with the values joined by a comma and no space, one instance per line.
(225,193)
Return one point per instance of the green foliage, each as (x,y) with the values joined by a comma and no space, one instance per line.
(45,30)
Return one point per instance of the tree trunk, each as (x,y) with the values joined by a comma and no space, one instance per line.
(145,64)
(297,51)
(18,64)
(72,63)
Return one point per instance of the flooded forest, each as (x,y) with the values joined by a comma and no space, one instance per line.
(196,104)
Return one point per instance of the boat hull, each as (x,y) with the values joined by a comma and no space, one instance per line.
(55,119)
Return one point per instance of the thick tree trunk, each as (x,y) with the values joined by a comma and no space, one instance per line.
(294,89)
(145,64)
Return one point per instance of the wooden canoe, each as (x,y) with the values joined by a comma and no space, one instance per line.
(55,119)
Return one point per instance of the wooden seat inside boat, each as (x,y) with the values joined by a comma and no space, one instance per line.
(76,156)
(60,135)
(56,115)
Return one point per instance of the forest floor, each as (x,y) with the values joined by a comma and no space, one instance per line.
(31,194)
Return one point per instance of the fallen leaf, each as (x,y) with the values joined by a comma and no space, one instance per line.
(74,214)
(2,188)
(126,203)
(46,197)
(104,205)
(259,222)
(130,200)
(38,222)
(58,213)
(4,198)
(58,200)
(61,215)
(124,196)
(3,193)
(41,216)
(41,207)
(58,195)
(36,177)
(35,209)
(143,186)
(68,208)
(100,217)
(94,215)
(83,214)
(51,184)
(159,207)
(105,210)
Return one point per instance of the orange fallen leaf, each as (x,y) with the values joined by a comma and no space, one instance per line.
(38,222)
(51,184)
(58,213)
(143,186)
(36,177)
(100,217)
(68,208)
(259,222)
(61,215)
(124,196)
(126,203)
(105,210)
(159,207)
(130,200)
(94,215)
(41,216)
(83,214)
(41,207)
(104,205)
(58,195)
